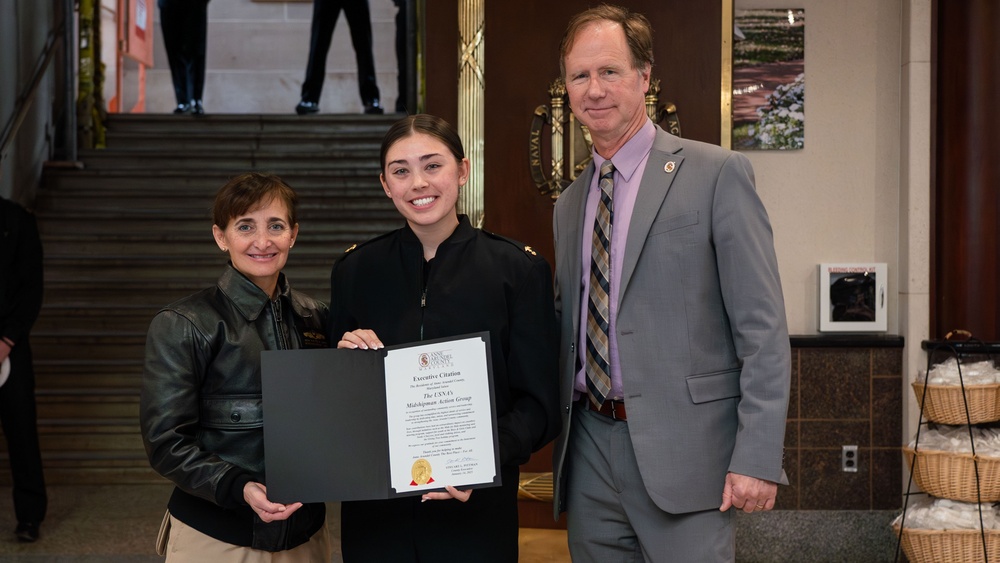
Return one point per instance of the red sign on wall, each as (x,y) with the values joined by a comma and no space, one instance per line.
(138,30)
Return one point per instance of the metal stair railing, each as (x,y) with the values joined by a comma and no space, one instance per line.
(62,33)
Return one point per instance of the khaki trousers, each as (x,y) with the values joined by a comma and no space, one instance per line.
(187,545)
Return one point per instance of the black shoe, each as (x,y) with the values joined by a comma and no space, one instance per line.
(27,532)
(373,107)
(307,108)
(182,108)
(197,109)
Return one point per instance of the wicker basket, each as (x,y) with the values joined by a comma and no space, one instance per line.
(945,404)
(952,475)
(948,546)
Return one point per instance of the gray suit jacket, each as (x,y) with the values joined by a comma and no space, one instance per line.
(702,336)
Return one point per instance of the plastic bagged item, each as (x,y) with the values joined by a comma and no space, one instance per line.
(946,438)
(946,514)
(973,373)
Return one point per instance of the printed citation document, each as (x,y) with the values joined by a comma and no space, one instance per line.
(373,424)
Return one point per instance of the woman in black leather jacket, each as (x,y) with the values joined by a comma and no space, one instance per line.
(200,405)
(438,277)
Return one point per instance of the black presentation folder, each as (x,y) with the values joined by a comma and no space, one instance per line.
(325,427)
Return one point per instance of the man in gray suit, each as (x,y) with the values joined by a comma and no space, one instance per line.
(675,360)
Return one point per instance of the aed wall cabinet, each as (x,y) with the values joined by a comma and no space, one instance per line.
(853,297)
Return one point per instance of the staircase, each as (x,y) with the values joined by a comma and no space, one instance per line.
(131,232)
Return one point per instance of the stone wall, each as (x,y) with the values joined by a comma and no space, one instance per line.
(845,391)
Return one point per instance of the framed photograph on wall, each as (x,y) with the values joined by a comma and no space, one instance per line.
(853,297)
(768,80)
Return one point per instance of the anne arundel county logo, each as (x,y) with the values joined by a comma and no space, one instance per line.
(434,360)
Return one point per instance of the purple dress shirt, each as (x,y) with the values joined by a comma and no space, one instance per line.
(629,162)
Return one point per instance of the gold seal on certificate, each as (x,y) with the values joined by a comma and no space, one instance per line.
(421,472)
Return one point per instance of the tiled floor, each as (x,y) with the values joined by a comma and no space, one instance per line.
(117,524)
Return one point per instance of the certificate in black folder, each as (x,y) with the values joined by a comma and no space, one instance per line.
(374,424)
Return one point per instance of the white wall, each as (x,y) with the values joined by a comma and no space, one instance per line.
(860,190)
(837,200)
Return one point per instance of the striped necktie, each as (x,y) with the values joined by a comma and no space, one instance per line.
(598,366)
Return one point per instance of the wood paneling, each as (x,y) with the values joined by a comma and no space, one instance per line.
(966,204)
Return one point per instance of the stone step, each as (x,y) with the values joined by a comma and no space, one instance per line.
(77,407)
(60,365)
(198,209)
(127,440)
(329,232)
(93,273)
(60,325)
(177,255)
(236,161)
(155,235)
(155,230)
(91,350)
(102,471)
(99,182)
(134,142)
(181,245)
(150,272)
(91,318)
(157,295)
(334,125)
(180,183)
(110,377)
(115,184)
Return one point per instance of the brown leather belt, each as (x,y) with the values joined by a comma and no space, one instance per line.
(611,408)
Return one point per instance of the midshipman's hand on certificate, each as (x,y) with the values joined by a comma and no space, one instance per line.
(366,339)
(452,493)
(361,338)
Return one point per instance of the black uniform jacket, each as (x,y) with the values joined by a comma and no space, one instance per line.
(477,281)
(200,404)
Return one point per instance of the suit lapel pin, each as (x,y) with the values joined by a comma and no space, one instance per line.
(669,167)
